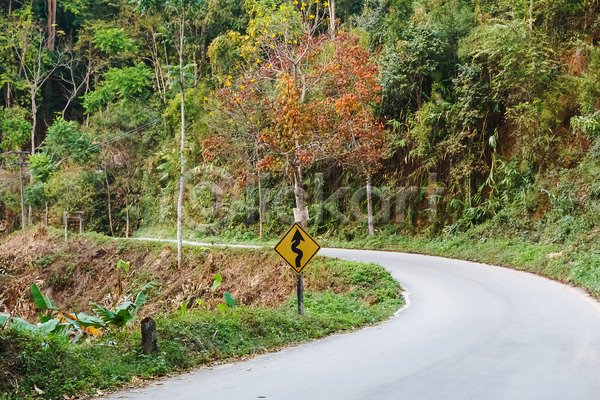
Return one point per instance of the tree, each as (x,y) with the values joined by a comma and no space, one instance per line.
(121,84)
(179,11)
(36,64)
(356,139)
(63,144)
(14,128)
(288,37)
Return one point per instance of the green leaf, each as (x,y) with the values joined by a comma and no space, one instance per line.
(44,318)
(124,265)
(48,326)
(216,283)
(229,300)
(104,313)
(41,301)
(22,325)
(89,320)
(125,313)
(140,299)
(3,318)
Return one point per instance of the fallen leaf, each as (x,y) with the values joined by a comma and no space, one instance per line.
(37,389)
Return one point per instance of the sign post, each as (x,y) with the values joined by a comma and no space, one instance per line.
(297,248)
(74,216)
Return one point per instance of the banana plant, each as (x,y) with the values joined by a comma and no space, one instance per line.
(218,280)
(54,321)
(126,313)
(121,265)
(8,321)
(43,302)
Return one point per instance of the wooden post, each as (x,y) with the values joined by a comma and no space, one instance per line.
(22,180)
(148,327)
(65,218)
(75,216)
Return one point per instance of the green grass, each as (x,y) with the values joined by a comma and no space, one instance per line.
(575,262)
(196,337)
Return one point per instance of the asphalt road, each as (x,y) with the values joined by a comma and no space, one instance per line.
(470,331)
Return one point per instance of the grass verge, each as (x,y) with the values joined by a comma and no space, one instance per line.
(188,339)
(574,263)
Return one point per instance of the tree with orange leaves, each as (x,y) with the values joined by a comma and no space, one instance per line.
(275,101)
(356,139)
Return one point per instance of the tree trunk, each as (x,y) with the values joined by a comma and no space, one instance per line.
(530,15)
(370,206)
(160,81)
(331,5)
(299,196)
(33,128)
(195,70)
(9,7)
(202,47)
(7,99)
(46,216)
(51,24)
(127,215)
(182,147)
(260,208)
(22,184)
(33,119)
(110,221)
(303,95)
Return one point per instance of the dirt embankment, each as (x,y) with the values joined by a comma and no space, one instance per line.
(83,269)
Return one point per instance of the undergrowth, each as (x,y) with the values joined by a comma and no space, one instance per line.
(191,338)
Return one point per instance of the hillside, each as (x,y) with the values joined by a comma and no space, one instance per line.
(84,269)
(453,112)
(196,324)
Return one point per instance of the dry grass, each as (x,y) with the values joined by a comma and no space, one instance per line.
(83,270)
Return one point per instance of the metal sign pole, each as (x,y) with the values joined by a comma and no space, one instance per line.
(300,292)
(297,248)
(299,278)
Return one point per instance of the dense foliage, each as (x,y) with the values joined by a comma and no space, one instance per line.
(448,113)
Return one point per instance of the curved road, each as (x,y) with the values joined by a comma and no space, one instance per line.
(471,331)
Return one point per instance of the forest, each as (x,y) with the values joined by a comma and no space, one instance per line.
(430,117)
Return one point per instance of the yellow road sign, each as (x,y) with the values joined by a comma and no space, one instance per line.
(297,248)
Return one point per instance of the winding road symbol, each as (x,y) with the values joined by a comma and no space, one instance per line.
(295,243)
(297,248)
